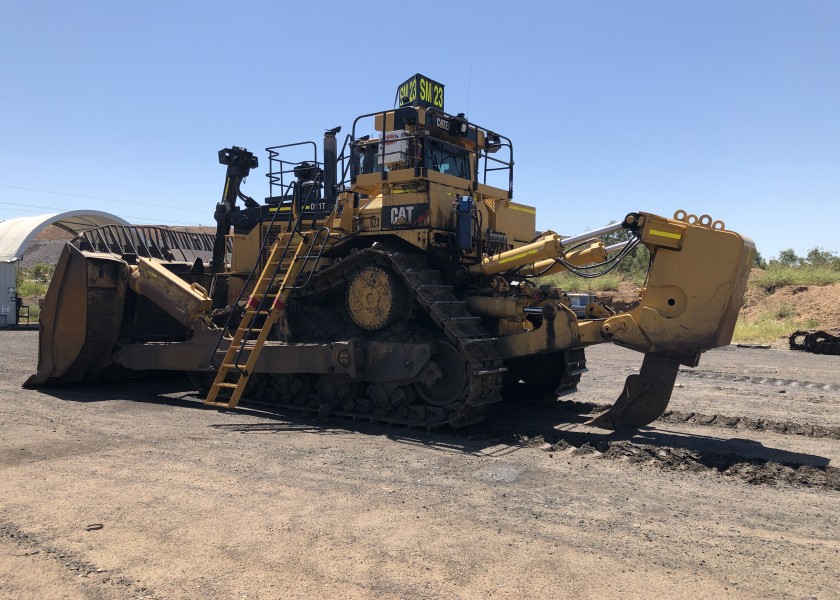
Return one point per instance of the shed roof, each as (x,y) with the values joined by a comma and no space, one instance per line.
(15,234)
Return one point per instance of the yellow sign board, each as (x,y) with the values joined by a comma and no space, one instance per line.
(421,91)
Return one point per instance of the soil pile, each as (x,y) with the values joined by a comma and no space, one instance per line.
(820,303)
(623,299)
(46,247)
(42,251)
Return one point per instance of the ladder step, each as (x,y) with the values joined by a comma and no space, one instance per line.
(251,325)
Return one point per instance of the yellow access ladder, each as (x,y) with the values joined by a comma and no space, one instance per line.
(255,308)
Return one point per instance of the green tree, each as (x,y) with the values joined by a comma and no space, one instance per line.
(42,273)
(759,262)
(788,258)
(818,257)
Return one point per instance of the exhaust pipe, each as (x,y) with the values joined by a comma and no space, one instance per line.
(330,166)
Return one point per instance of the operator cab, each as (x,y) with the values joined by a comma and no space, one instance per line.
(420,135)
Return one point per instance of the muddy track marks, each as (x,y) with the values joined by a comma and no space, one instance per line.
(750,470)
(666,452)
(783,427)
(717,420)
(760,380)
(674,452)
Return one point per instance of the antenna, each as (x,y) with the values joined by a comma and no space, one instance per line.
(469,86)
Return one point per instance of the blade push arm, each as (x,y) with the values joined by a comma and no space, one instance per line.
(541,257)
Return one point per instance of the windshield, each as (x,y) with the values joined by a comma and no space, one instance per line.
(448,158)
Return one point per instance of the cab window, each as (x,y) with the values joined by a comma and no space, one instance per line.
(448,158)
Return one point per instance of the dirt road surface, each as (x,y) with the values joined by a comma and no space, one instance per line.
(734,494)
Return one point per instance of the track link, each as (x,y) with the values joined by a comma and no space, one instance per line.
(484,367)
(816,341)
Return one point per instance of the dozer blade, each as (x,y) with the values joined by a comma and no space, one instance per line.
(645,396)
(80,318)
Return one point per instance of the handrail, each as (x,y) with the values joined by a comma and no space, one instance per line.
(345,160)
(276,178)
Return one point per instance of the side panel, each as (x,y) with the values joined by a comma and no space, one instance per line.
(518,221)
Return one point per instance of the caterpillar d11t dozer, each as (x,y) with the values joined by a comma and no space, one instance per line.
(394,280)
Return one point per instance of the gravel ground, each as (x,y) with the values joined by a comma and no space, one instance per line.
(734,494)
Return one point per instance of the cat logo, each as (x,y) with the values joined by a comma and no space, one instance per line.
(401,215)
(405,215)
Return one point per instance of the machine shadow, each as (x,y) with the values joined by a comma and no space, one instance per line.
(508,428)
(511,429)
(151,388)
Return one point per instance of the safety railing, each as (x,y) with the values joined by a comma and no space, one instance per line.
(281,168)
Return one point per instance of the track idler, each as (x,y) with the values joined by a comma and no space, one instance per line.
(645,396)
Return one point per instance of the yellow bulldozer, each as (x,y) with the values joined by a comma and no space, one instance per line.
(394,279)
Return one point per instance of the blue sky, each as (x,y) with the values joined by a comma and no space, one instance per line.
(720,107)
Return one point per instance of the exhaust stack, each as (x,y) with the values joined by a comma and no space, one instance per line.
(330,166)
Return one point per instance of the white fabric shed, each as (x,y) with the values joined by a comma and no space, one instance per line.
(15,234)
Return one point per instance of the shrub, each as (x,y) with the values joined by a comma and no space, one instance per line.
(778,275)
(42,272)
(768,327)
(785,311)
(31,289)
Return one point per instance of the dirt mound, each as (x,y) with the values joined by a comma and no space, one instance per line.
(820,303)
(45,251)
(623,299)
(51,232)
